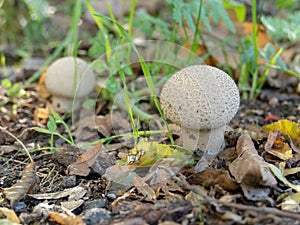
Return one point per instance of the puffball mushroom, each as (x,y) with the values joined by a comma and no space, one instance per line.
(69,80)
(201,99)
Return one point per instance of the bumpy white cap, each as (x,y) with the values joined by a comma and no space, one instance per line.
(69,80)
(200,97)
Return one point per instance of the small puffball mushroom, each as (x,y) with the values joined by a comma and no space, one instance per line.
(201,99)
(69,80)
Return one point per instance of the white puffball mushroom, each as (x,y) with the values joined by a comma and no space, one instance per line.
(201,99)
(69,80)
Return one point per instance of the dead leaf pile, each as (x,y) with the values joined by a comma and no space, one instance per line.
(84,162)
(251,171)
(24,186)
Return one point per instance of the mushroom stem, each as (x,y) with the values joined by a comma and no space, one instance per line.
(207,142)
(66,104)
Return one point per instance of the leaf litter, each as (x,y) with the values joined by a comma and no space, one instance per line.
(154,176)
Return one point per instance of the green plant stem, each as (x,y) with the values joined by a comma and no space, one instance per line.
(100,25)
(255,45)
(72,45)
(131,13)
(51,142)
(284,70)
(139,133)
(3,64)
(263,77)
(145,70)
(128,105)
(195,39)
(120,101)
(59,120)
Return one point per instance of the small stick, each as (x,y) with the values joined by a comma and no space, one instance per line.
(264,210)
(18,140)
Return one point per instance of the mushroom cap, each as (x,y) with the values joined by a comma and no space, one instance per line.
(200,97)
(69,77)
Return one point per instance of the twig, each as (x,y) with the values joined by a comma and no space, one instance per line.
(264,210)
(18,140)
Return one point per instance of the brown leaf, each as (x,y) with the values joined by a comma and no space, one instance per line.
(276,146)
(211,177)
(85,128)
(262,36)
(24,186)
(255,193)
(65,219)
(83,163)
(250,168)
(121,174)
(144,189)
(41,116)
(104,124)
(274,135)
(41,88)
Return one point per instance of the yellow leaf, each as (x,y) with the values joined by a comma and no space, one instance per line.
(295,197)
(9,214)
(284,153)
(147,153)
(277,172)
(290,171)
(286,127)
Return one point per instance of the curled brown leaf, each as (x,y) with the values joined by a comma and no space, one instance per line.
(84,162)
(23,186)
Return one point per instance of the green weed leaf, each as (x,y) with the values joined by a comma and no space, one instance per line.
(282,29)
(51,124)
(6,83)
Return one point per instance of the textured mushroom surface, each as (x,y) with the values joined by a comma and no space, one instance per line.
(200,97)
(69,80)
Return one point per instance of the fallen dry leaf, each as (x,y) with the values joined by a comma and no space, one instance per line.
(74,193)
(290,171)
(9,214)
(251,171)
(144,189)
(160,178)
(250,168)
(41,116)
(278,173)
(84,162)
(276,146)
(290,205)
(23,186)
(211,177)
(121,174)
(255,193)
(5,149)
(85,128)
(65,219)
(274,137)
(147,153)
(286,127)
(72,205)
(104,124)
(262,37)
